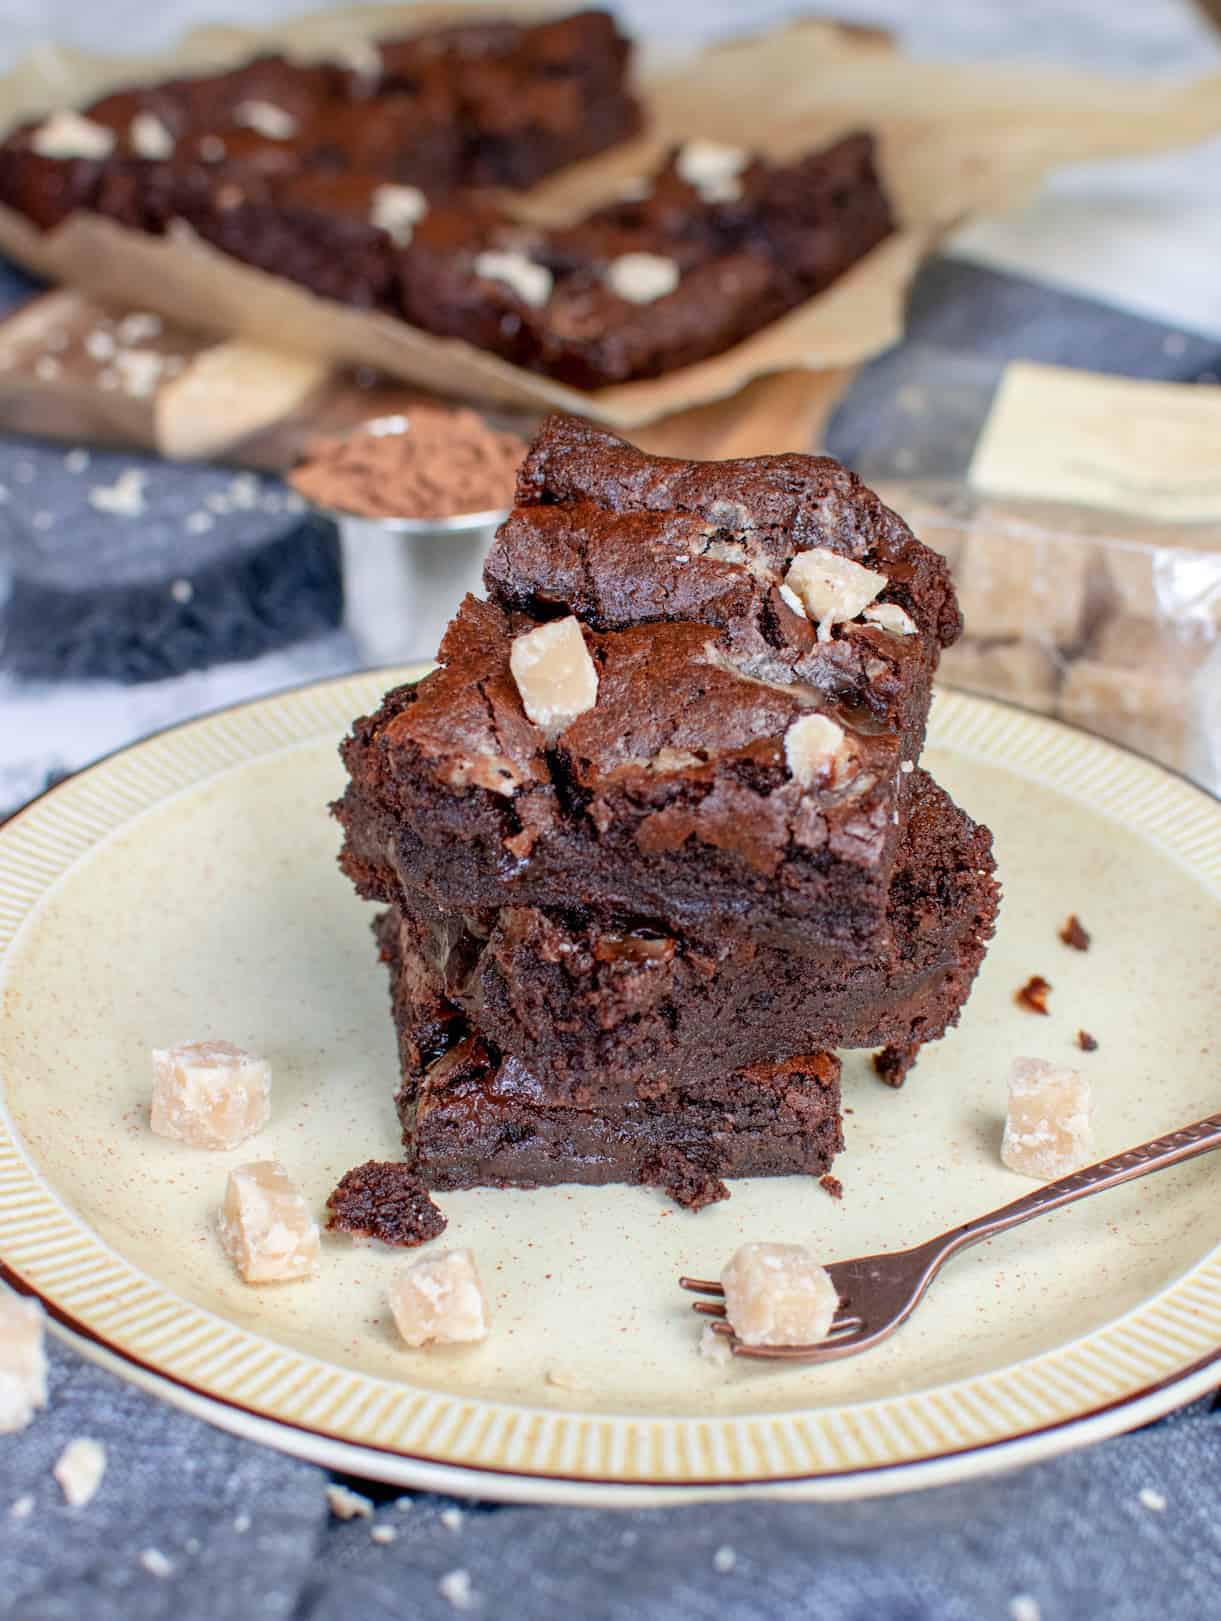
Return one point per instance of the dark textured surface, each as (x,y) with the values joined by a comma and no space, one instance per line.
(212,566)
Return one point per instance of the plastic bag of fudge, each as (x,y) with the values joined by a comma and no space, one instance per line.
(1081,516)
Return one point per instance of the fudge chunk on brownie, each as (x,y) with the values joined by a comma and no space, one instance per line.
(478,1119)
(725,772)
(602,1008)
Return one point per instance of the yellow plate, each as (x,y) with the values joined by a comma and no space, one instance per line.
(187,888)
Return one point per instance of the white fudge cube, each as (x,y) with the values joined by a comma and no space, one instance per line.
(266,1226)
(439,1300)
(23,1362)
(554,674)
(210,1094)
(777,1294)
(1047,1128)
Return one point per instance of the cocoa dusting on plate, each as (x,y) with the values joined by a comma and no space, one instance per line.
(1086,1042)
(427,463)
(832,1185)
(893,1064)
(1033,994)
(1073,934)
(384,1201)
(687,1183)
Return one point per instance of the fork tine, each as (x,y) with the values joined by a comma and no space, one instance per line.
(708,1308)
(701,1286)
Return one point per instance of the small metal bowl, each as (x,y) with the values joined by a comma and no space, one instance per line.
(403,578)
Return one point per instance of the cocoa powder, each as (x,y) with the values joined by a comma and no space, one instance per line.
(429,462)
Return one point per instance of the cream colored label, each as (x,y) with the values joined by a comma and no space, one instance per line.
(1151,449)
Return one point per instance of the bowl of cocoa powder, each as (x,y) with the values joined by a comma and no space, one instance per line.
(417,497)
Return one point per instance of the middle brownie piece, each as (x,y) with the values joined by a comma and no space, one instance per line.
(606,1009)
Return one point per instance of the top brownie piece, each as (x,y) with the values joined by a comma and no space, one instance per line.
(678,792)
(620,538)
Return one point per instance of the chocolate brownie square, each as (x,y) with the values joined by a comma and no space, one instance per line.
(603,1008)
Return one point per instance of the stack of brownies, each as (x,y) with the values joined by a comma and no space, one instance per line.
(654,838)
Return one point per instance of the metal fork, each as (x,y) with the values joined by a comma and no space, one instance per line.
(878,1292)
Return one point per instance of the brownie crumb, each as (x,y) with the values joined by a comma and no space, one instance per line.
(1073,934)
(894,1064)
(687,1183)
(832,1185)
(387,1202)
(1033,994)
(1086,1042)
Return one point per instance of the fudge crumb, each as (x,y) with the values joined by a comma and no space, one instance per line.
(242,1524)
(455,1588)
(79,1471)
(1086,1042)
(209,1094)
(23,1362)
(439,1300)
(451,1518)
(156,1563)
(404,1504)
(348,1505)
(724,1559)
(832,1185)
(387,1202)
(714,1347)
(777,1294)
(1047,1126)
(1023,1608)
(1152,1500)
(565,1379)
(894,1064)
(1033,994)
(1073,934)
(383,1534)
(122,499)
(688,1184)
(22,1508)
(266,1227)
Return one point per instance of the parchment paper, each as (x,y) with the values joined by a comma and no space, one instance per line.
(953,140)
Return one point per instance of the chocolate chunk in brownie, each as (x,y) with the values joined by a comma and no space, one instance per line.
(603,1007)
(385,1201)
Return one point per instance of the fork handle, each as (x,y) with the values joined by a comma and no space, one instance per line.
(1172,1149)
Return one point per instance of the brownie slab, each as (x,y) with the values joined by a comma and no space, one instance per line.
(477,1120)
(602,1008)
(639,290)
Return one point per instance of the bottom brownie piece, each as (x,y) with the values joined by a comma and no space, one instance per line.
(476,1120)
